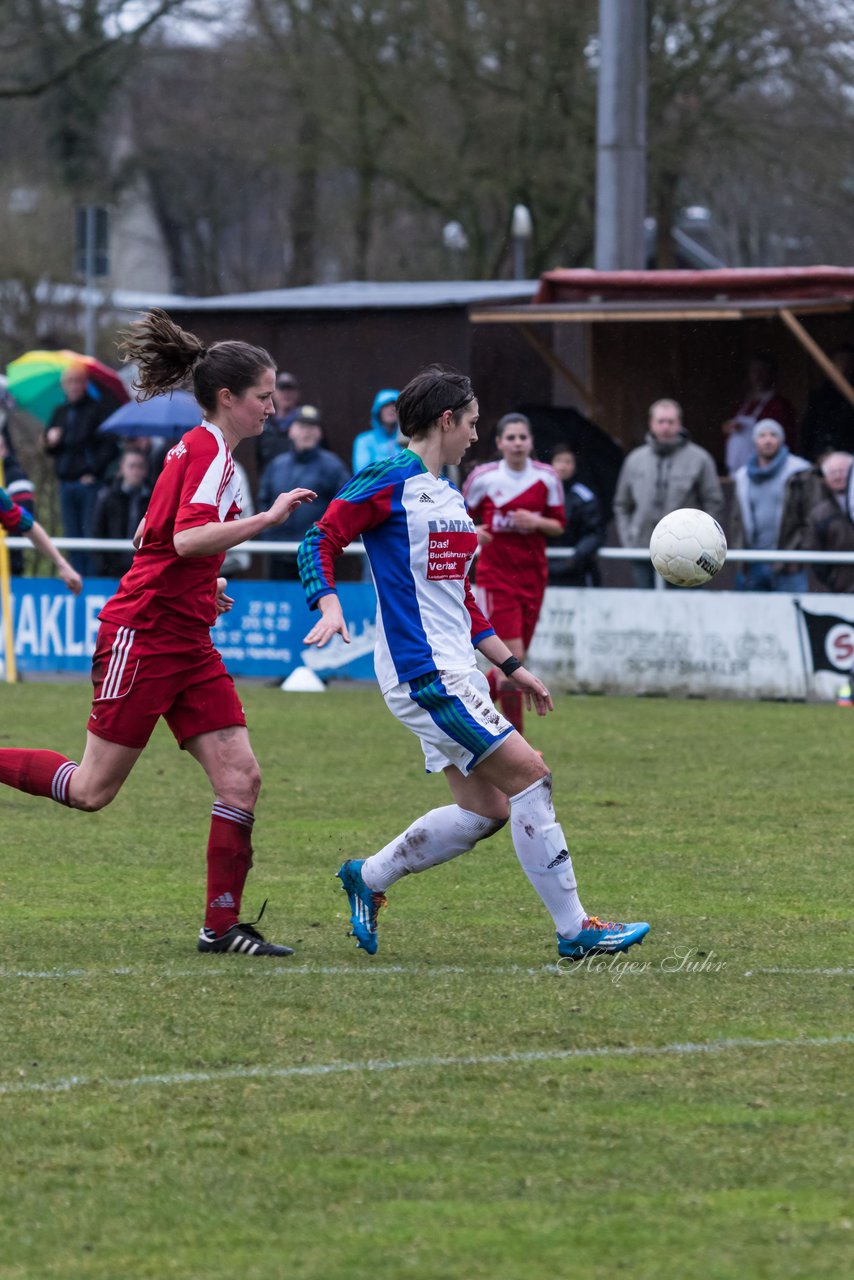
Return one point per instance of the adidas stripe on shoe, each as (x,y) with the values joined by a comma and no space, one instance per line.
(243,939)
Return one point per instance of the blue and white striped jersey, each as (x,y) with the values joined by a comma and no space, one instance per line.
(420,541)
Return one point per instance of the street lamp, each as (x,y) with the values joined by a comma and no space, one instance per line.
(521,231)
(456,242)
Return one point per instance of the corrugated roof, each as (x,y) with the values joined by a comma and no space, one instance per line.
(347,296)
(364,294)
(729,284)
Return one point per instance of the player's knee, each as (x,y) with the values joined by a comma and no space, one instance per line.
(486,819)
(253,781)
(90,797)
(243,787)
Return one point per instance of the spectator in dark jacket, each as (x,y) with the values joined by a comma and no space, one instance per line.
(119,509)
(584,529)
(81,458)
(829,527)
(275,438)
(307,466)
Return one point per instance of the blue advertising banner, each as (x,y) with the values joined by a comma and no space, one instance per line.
(261,636)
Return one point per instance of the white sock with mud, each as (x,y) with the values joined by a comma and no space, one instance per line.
(436,837)
(541,848)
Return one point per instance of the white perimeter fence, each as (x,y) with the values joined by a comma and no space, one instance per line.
(695,643)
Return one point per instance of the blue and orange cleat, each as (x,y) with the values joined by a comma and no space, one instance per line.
(365,905)
(598,938)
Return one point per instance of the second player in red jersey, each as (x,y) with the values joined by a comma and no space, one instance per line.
(517,503)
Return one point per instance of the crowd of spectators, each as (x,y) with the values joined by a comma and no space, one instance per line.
(786,485)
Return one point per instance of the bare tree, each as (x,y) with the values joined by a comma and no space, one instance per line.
(44,43)
(448,111)
(737,89)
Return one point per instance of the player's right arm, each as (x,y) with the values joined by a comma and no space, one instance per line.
(330,623)
(362,504)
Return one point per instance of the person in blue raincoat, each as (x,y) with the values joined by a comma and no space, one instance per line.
(381,441)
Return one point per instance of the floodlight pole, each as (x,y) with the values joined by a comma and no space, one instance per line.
(621,136)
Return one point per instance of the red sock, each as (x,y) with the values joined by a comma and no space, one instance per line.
(39,773)
(229,860)
(493,681)
(511,705)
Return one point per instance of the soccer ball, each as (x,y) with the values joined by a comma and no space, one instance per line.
(687,547)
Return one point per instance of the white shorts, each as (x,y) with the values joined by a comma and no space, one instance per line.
(453,716)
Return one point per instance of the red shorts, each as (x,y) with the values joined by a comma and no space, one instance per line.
(514,614)
(140,675)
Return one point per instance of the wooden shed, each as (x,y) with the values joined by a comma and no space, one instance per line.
(347,341)
(616,341)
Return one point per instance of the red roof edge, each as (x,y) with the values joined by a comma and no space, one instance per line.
(738,284)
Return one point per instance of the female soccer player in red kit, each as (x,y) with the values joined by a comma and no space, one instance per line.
(516,503)
(154,655)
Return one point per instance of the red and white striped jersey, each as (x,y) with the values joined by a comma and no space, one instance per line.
(197,486)
(493,492)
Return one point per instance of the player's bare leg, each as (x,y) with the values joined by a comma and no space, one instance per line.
(89,785)
(101,773)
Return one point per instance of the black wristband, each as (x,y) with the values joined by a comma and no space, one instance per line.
(509,665)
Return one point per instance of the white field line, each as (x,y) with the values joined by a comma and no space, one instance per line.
(413,1064)
(368,970)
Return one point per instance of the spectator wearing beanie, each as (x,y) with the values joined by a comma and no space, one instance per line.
(760,490)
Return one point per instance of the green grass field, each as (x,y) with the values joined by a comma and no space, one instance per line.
(456,1106)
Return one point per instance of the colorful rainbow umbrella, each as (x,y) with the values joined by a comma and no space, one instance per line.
(34,381)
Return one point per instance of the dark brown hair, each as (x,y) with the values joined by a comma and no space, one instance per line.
(167,355)
(428,395)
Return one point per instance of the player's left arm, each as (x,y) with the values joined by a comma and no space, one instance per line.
(536,694)
(214,537)
(361,505)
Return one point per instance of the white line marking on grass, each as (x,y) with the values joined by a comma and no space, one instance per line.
(414,1064)
(367,970)
(840,972)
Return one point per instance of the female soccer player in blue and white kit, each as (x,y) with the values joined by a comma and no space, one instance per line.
(420,541)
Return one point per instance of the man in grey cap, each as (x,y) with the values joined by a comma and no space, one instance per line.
(760,490)
(665,473)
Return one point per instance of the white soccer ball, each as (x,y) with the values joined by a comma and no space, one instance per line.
(687,547)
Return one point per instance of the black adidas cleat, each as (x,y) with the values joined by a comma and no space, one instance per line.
(242,939)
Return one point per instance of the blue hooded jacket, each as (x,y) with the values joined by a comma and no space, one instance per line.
(376,444)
